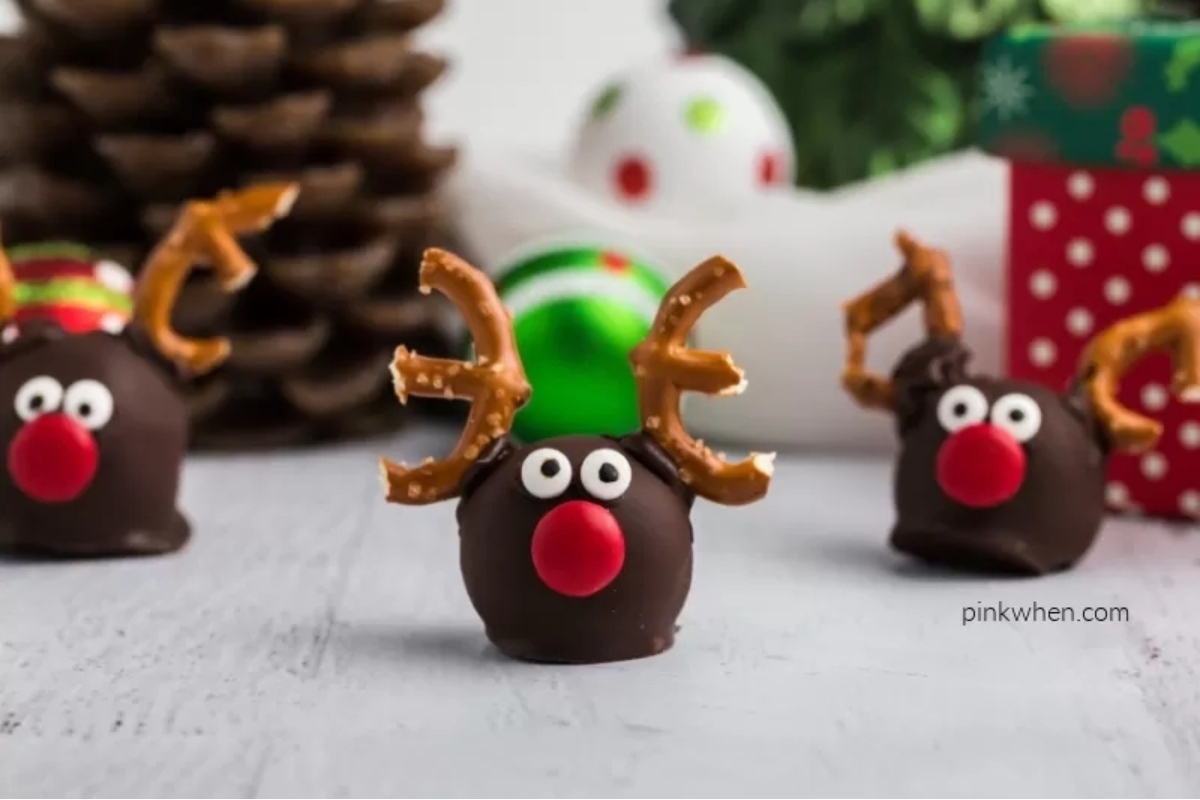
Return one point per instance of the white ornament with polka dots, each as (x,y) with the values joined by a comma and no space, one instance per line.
(692,137)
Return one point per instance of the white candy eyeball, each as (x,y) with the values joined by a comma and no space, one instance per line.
(89,403)
(961,407)
(37,396)
(545,473)
(606,474)
(1019,415)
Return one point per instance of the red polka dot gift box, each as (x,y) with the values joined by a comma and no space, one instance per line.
(1101,127)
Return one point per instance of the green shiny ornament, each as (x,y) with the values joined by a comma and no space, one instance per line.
(577,312)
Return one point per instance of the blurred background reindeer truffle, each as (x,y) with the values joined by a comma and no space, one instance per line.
(576,549)
(995,474)
(116,112)
(92,420)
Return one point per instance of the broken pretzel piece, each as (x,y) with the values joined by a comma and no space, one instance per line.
(495,383)
(664,368)
(925,276)
(1174,328)
(204,233)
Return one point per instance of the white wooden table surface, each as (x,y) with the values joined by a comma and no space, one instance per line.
(315,642)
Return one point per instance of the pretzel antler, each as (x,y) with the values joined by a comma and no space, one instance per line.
(925,276)
(1174,328)
(495,383)
(8,285)
(204,233)
(664,367)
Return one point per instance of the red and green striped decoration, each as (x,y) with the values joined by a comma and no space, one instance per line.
(65,284)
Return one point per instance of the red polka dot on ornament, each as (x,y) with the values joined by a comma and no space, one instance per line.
(770,168)
(614,262)
(633,178)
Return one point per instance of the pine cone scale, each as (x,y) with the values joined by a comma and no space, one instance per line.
(290,121)
(400,15)
(334,277)
(335,391)
(160,167)
(224,59)
(324,189)
(302,12)
(31,131)
(91,17)
(279,351)
(115,99)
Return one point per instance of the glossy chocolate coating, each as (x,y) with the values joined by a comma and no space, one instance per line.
(1054,516)
(633,616)
(128,508)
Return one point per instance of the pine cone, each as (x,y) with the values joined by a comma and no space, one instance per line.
(116,111)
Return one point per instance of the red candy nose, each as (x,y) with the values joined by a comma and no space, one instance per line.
(53,458)
(981,466)
(578,548)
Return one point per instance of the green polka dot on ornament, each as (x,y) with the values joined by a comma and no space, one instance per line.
(577,313)
(704,115)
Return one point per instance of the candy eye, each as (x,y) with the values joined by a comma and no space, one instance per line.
(1019,414)
(545,473)
(606,474)
(89,403)
(37,396)
(960,407)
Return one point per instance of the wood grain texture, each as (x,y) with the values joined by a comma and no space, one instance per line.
(313,641)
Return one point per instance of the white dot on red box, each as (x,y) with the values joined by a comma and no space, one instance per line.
(1190,225)
(1043,215)
(1042,284)
(1189,503)
(1080,185)
(1154,466)
(1156,190)
(1116,494)
(1080,252)
(1191,290)
(1079,321)
(1155,258)
(1118,220)
(1117,290)
(1154,397)
(1189,435)
(1042,352)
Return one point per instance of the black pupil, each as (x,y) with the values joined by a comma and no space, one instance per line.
(85,410)
(551,467)
(608,473)
(1016,415)
(37,402)
(960,409)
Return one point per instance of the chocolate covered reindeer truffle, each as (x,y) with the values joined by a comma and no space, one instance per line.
(92,422)
(1003,475)
(575,549)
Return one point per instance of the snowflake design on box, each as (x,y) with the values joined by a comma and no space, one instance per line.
(1006,88)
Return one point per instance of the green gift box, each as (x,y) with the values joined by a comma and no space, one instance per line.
(1119,95)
